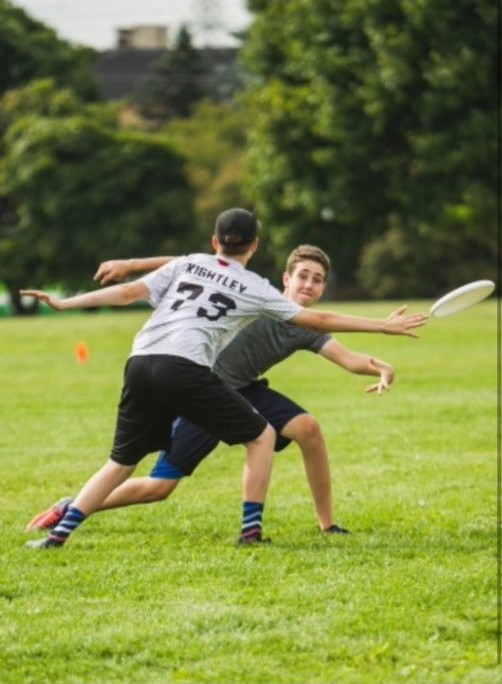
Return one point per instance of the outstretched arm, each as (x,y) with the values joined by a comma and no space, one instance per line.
(116,270)
(361,364)
(396,324)
(116,295)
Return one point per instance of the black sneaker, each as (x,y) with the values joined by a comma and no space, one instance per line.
(335,529)
(47,543)
(252,540)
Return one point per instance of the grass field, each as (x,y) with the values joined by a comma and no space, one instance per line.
(159,594)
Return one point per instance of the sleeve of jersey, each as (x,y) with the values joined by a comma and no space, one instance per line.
(158,282)
(276,305)
(316,341)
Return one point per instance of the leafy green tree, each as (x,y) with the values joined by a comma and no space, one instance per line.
(30,50)
(177,82)
(74,188)
(212,142)
(370,116)
(75,191)
(44,97)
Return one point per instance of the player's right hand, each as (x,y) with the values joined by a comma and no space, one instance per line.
(400,324)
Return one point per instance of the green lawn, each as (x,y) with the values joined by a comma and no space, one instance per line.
(160,594)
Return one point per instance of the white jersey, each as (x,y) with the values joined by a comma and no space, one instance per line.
(201,302)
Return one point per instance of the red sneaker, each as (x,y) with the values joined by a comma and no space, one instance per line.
(48,519)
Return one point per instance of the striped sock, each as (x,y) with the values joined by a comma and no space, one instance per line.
(72,519)
(252,514)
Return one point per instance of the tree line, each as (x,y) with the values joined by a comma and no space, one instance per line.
(367,127)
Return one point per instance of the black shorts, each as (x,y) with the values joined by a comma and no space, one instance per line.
(190,445)
(159,388)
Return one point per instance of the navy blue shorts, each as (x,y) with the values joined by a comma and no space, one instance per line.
(159,388)
(190,444)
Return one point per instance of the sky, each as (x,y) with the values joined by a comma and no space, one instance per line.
(95,22)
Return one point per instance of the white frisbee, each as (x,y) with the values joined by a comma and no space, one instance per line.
(462,298)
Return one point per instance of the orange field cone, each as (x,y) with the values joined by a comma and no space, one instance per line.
(82,352)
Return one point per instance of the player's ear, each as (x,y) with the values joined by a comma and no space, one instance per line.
(214,243)
(285,279)
(254,245)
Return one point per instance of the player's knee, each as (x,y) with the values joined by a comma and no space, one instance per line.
(267,437)
(306,428)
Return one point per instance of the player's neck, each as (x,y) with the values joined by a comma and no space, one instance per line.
(241,258)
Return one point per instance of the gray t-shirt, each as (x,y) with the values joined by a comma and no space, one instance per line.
(201,302)
(260,346)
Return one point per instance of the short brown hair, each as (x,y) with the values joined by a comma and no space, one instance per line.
(308,253)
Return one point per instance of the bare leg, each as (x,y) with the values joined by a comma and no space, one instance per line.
(258,466)
(98,487)
(306,432)
(139,490)
(88,500)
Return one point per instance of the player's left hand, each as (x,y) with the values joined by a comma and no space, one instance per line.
(379,387)
(387,375)
(114,270)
